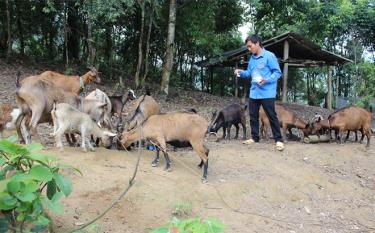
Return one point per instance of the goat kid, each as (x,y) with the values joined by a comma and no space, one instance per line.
(233,114)
(287,120)
(67,119)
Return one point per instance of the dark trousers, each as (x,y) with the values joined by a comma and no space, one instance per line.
(269,109)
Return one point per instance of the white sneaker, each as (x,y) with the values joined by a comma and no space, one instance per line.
(248,142)
(279,146)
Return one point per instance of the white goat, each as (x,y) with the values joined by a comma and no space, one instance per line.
(67,119)
(100,96)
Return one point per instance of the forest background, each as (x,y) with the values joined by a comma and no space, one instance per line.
(136,43)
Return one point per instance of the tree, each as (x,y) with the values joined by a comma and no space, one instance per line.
(168,60)
(9,40)
(141,4)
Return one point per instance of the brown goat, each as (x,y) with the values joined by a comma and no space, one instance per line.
(171,127)
(8,117)
(353,119)
(287,120)
(145,106)
(119,101)
(36,94)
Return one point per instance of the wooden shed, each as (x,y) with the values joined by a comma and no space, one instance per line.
(292,50)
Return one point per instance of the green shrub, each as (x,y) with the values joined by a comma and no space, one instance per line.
(191,225)
(24,175)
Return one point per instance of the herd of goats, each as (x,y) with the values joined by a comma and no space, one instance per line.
(55,98)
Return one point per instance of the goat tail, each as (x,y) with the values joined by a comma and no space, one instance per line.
(18,85)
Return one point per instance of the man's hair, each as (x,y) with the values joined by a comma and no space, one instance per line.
(254,39)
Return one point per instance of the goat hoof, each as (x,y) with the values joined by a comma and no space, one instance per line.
(204,180)
(92,149)
(84,150)
(155,163)
(168,169)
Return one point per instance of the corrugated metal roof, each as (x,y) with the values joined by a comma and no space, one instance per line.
(302,52)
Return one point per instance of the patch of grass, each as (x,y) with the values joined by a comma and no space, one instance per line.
(182,208)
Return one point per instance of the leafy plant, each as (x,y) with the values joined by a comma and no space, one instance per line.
(191,225)
(25,174)
(182,209)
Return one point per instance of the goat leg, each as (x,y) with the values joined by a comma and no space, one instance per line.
(156,160)
(205,169)
(83,139)
(362,137)
(237,130)
(228,132)
(68,139)
(18,127)
(347,136)
(244,130)
(168,162)
(356,135)
(89,144)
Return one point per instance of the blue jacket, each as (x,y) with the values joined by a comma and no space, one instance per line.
(267,66)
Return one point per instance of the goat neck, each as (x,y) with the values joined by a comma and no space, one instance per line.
(86,78)
(300,124)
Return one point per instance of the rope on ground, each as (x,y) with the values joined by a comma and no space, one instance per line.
(314,223)
(122,194)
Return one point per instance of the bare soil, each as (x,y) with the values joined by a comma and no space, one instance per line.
(306,188)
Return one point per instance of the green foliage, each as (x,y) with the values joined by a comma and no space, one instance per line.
(366,85)
(191,225)
(203,29)
(24,174)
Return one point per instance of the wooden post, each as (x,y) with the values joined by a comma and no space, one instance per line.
(236,83)
(329,85)
(285,72)
(337,88)
(211,84)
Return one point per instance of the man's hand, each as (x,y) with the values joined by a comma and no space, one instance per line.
(237,72)
(262,82)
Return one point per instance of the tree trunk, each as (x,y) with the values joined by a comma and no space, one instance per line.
(140,52)
(9,40)
(90,46)
(191,76)
(73,26)
(147,51)
(108,46)
(308,87)
(20,28)
(168,60)
(202,81)
(65,35)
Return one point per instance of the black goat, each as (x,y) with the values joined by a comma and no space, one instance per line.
(233,114)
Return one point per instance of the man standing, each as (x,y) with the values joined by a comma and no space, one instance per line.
(264,71)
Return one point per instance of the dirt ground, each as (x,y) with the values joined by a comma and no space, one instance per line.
(306,188)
